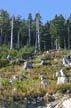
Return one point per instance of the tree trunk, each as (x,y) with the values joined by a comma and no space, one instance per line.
(56,44)
(36,43)
(37,34)
(29,34)
(11,46)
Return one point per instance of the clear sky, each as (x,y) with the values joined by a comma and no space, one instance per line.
(47,8)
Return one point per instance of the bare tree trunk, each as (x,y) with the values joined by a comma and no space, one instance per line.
(11,46)
(56,44)
(36,43)
(37,34)
(38,39)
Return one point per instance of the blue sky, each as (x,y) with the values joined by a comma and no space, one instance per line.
(47,8)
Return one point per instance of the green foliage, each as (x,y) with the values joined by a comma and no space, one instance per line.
(3,51)
(3,63)
(31,85)
(57,28)
(13,53)
(21,53)
(5,82)
(25,52)
(3,54)
(46,57)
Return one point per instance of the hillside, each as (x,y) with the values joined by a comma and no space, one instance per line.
(17,89)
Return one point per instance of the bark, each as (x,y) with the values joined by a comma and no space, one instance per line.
(11,46)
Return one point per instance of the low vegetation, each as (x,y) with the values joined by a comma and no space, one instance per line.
(31,84)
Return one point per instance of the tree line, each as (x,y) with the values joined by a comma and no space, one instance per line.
(16,32)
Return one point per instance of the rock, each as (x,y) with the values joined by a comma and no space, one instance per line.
(27,65)
(67,61)
(47,52)
(49,97)
(61,77)
(67,103)
(44,83)
(21,77)
(58,102)
(62,80)
(14,77)
(55,60)
(68,90)
(39,99)
(42,62)
(57,74)
(11,81)
(61,73)
(17,61)
(8,57)
(51,105)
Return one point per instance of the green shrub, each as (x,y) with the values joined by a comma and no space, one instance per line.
(3,62)
(25,52)
(13,52)
(3,53)
(5,82)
